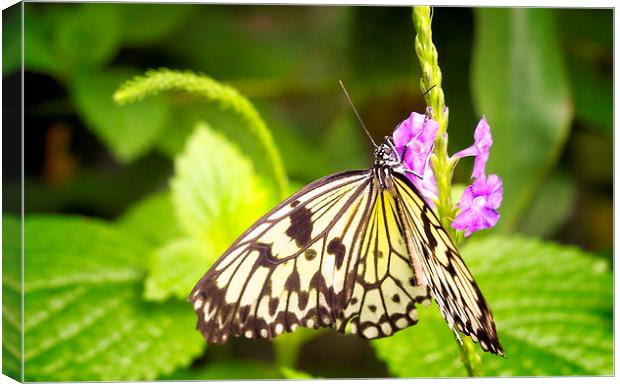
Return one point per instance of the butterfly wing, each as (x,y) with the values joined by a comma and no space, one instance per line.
(332,255)
(387,288)
(452,285)
(290,267)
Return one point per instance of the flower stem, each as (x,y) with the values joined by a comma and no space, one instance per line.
(430,84)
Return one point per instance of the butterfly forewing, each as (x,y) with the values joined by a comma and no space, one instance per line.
(451,283)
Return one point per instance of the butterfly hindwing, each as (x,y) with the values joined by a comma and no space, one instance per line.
(453,287)
(386,290)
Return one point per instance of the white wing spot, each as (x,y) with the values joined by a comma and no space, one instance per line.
(413,314)
(279,328)
(353,328)
(402,323)
(386,328)
(371,332)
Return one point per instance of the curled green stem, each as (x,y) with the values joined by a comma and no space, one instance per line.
(162,80)
(441,163)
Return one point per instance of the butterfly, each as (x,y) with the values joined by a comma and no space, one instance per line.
(357,251)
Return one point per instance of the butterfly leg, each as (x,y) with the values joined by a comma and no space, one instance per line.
(410,172)
(390,143)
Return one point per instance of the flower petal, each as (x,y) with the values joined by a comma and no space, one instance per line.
(478,205)
(481,148)
(407,130)
(414,139)
(494,199)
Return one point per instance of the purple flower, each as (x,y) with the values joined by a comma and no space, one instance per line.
(480,148)
(413,139)
(427,185)
(478,205)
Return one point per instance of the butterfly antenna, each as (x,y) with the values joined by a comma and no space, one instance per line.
(356,113)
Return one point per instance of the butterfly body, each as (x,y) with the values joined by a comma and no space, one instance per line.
(357,251)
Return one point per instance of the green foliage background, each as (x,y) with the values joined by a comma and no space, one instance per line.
(128,205)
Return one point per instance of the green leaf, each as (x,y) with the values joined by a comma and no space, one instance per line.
(175,268)
(180,126)
(89,35)
(129,131)
(216,195)
(228,370)
(151,219)
(138,25)
(293,374)
(552,206)
(215,190)
(40,26)
(519,82)
(552,306)
(84,316)
(593,92)
(11,297)
(11,40)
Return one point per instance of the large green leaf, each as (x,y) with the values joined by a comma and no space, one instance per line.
(552,306)
(519,82)
(11,297)
(215,190)
(552,206)
(216,195)
(84,316)
(175,268)
(172,259)
(151,219)
(129,130)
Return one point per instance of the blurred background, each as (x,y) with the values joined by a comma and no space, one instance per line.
(546,90)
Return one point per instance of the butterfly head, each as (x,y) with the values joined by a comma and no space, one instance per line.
(385,156)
